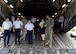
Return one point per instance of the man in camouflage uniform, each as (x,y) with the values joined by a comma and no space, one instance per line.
(24,21)
(49,30)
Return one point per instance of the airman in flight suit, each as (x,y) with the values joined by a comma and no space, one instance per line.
(49,30)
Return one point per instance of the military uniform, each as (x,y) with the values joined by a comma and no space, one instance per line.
(23,31)
(49,31)
(7,25)
(17,26)
(29,27)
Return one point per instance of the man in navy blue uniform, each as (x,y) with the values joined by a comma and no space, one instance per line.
(7,25)
(30,30)
(17,26)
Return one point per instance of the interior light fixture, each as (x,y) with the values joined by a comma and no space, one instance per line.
(6,1)
(56,13)
(53,0)
(69,0)
(11,6)
(63,5)
(19,13)
(52,15)
(21,0)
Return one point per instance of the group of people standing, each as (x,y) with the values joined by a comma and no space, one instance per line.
(27,27)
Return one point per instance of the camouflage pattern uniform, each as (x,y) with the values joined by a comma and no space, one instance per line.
(49,31)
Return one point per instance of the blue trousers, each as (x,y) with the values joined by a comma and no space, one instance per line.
(17,35)
(6,34)
(30,36)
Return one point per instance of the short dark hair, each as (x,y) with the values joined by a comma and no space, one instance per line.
(24,16)
(7,18)
(48,15)
(29,19)
(18,17)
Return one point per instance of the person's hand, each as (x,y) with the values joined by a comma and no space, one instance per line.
(10,28)
(25,32)
(33,32)
(41,26)
(49,27)
(21,28)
